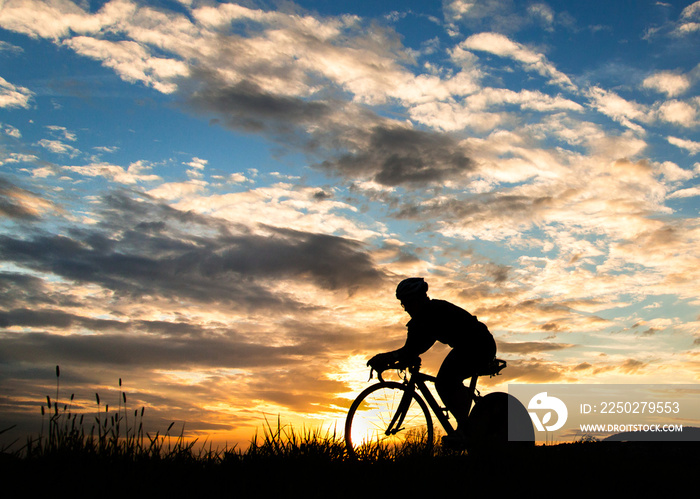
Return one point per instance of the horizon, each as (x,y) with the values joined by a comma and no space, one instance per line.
(214,202)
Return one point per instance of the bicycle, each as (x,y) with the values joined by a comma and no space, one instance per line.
(393,414)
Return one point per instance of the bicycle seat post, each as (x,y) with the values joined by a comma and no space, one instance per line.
(472,388)
(472,384)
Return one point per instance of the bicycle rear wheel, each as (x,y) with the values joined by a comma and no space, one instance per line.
(499,422)
(368,425)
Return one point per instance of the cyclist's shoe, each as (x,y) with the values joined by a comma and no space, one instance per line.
(456,441)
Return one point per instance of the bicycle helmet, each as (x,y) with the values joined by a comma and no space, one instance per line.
(411,287)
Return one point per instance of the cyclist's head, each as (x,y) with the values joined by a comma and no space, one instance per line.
(411,289)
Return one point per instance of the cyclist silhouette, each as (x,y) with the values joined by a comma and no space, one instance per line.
(473,347)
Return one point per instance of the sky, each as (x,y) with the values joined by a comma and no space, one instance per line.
(214,201)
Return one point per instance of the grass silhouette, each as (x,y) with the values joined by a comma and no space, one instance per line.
(120,435)
(108,453)
(110,435)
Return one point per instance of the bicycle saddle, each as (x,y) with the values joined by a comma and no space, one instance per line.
(493,368)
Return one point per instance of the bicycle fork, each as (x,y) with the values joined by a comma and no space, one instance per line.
(401,411)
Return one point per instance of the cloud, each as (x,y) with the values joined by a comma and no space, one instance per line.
(487,108)
(388,153)
(534,372)
(110,350)
(630,366)
(507,212)
(674,173)
(246,106)
(679,113)
(146,260)
(670,83)
(10,131)
(59,20)
(53,19)
(618,108)
(529,347)
(12,96)
(282,205)
(9,48)
(395,156)
(58,147)
(378,149)
(499,15)
(131,61)
(112,172)
(55,319)
(197,165)
(237,178)
(18,289)
(689,21)
(63,132)
(177,190)
(685,193)
(20,204)
(543,14)
(287,81)
(287,78)
(690,145)
(501,45)
(691,11)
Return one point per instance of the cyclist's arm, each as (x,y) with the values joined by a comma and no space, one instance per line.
(417,343)
(411,350)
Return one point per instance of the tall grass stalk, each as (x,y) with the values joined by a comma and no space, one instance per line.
(110,435)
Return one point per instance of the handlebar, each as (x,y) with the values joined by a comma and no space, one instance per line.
(412,364)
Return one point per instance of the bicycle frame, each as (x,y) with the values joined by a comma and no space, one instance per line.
(418,381)
(440,412)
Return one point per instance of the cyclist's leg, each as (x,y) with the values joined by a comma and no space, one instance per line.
(449,385)
(459,365)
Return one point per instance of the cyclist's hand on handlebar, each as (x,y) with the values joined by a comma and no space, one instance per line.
(381,361)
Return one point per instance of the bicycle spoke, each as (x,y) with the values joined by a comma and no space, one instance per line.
(371,416)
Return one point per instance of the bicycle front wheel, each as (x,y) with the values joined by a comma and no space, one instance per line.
(368,427)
